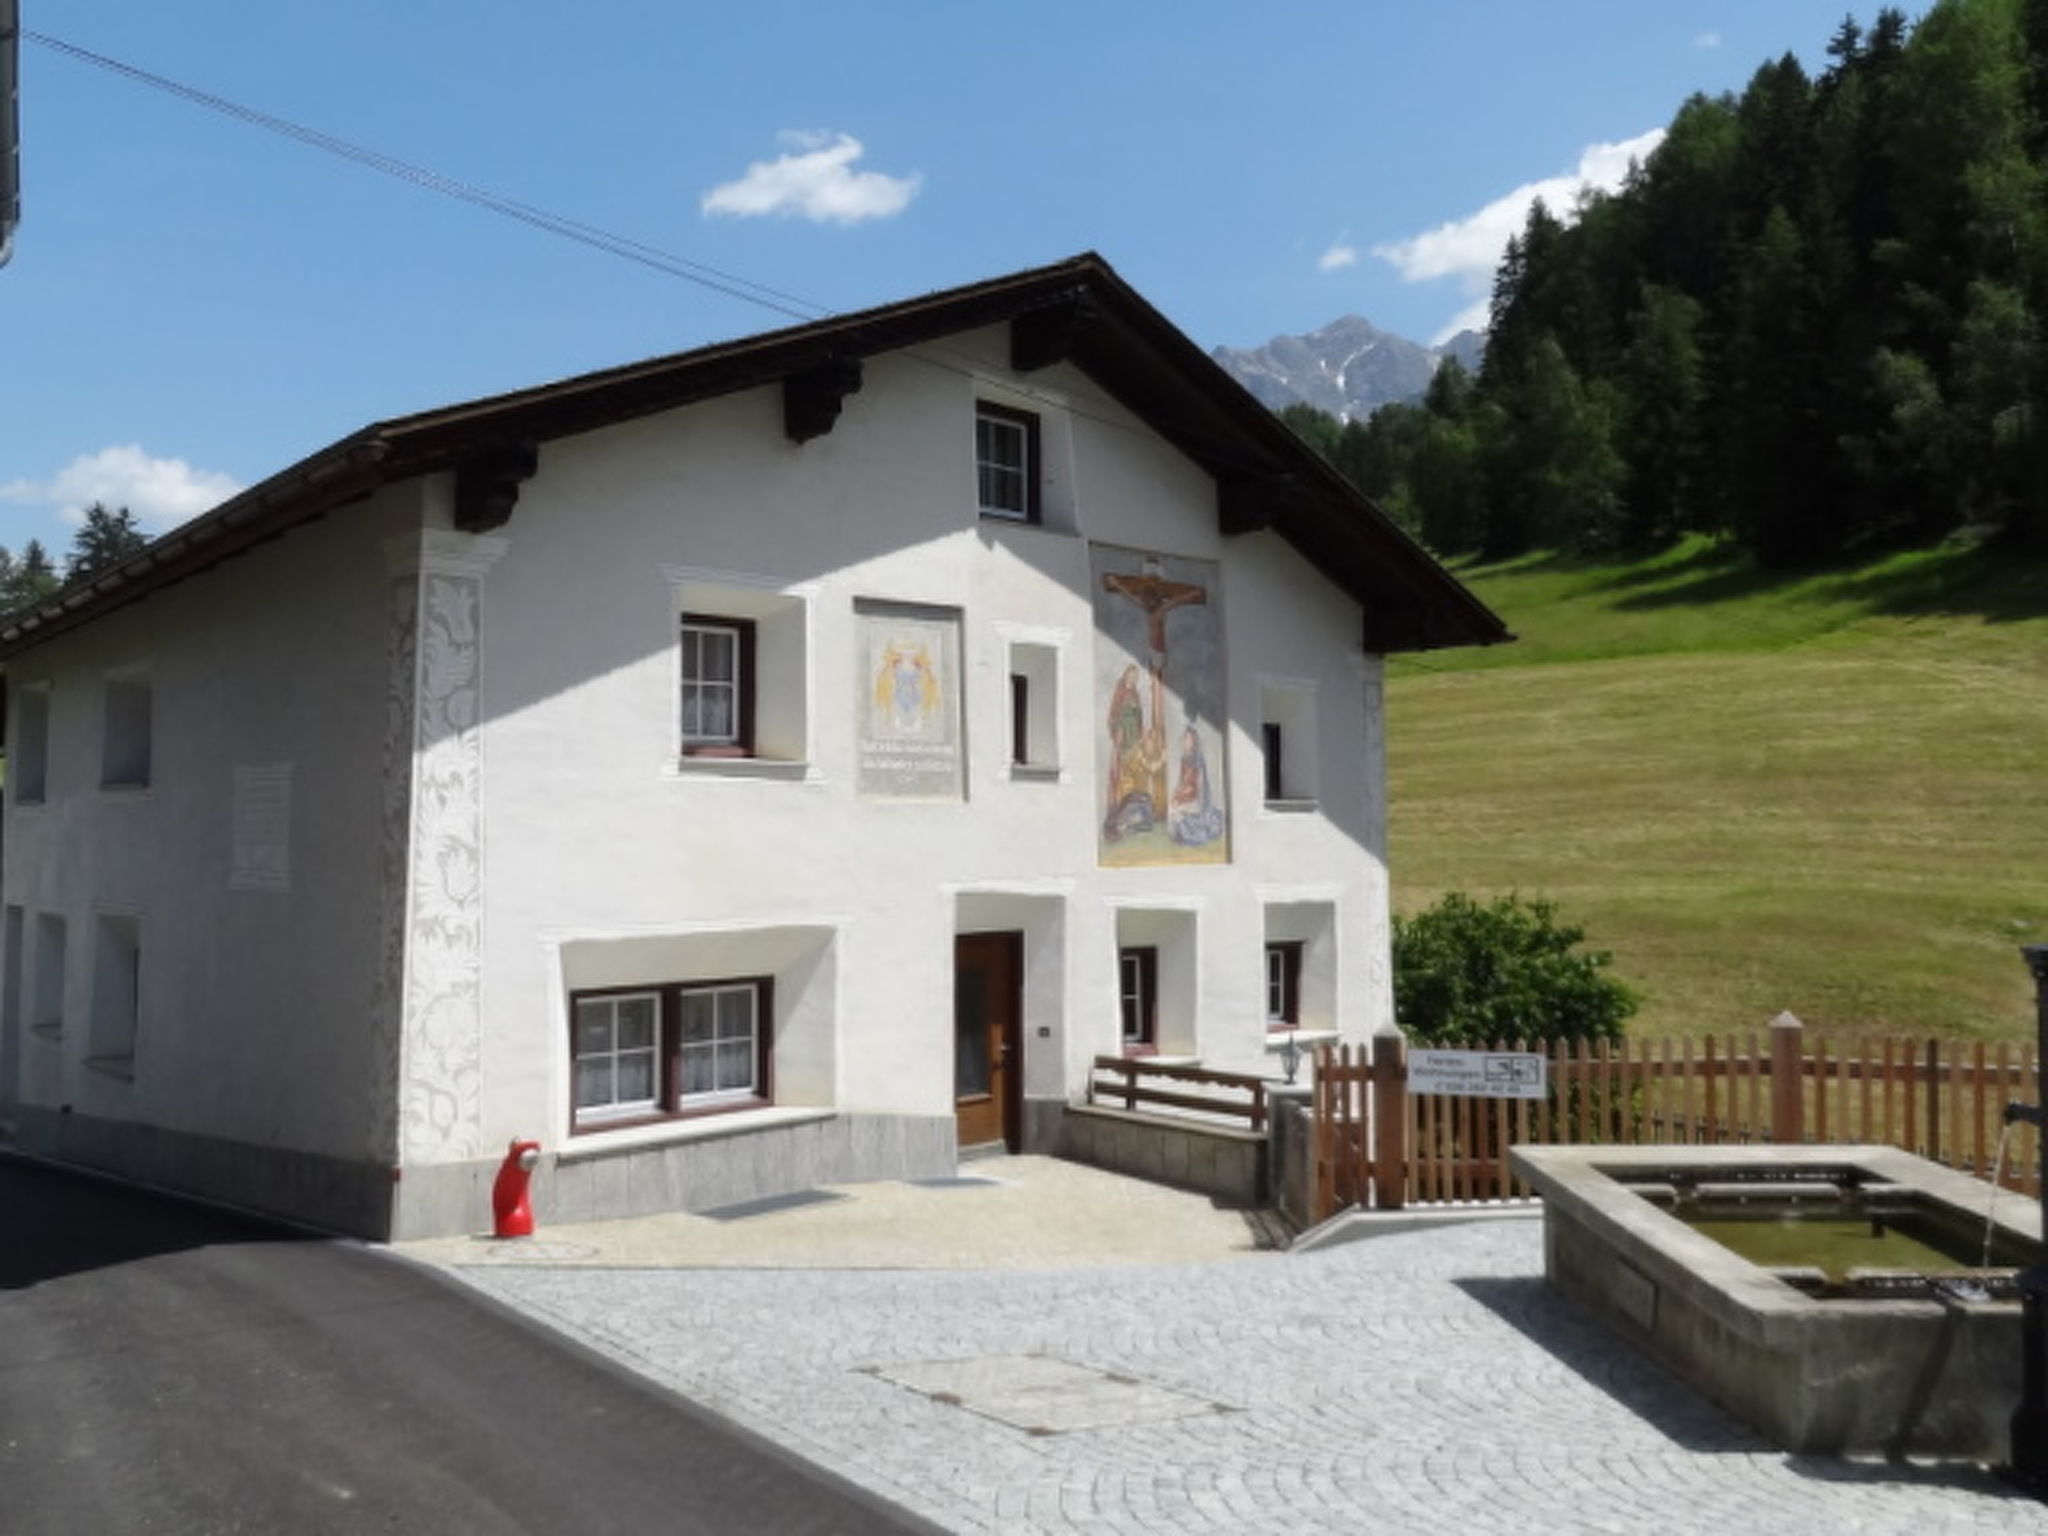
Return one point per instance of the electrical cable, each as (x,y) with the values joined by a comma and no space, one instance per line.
(933,354)
(727,283)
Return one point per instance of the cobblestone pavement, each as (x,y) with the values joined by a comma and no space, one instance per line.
(1417,1382)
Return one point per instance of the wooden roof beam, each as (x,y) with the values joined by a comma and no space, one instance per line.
(811,399)
(1250,503)
(1049,333)
(487,485)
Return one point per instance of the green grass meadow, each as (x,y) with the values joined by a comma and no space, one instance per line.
(1826,794)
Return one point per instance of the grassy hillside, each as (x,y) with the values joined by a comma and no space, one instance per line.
(1827,795)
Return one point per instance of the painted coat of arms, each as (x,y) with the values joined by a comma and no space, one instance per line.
(909,706)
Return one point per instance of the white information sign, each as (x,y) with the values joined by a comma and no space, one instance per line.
(1477,1074)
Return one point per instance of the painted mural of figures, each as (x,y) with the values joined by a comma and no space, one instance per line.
(1193,818)
(1161,663)
(907,686)
(1137,759)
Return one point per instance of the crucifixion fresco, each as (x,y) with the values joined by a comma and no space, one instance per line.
(1161,680)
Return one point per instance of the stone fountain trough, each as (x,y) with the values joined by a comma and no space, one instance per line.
(1913,1365)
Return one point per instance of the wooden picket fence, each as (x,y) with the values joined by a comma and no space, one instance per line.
(1374,1143)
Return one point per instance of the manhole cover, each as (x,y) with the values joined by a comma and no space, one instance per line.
(1043,1396)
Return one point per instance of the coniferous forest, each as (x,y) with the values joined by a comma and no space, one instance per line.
(1811,322)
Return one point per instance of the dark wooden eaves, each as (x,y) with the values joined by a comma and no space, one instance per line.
(1078,312)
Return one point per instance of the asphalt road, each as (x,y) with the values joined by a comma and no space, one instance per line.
(174,1370)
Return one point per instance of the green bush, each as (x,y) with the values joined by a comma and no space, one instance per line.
(1473,975)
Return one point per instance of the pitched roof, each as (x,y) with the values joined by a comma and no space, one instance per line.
(1078,311)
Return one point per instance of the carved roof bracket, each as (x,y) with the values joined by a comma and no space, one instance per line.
(1048,333)
(1248,504)
(811,399)
(487,485)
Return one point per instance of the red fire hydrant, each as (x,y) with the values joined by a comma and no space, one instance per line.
(511,1195)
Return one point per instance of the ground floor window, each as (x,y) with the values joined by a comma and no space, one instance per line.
(1138,996)
(1283,985)
(680,1048)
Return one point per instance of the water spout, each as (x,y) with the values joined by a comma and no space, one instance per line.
(2029,1465)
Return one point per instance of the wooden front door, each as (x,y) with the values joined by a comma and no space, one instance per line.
(988,1058)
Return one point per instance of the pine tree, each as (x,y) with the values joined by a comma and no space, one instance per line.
(1776,467)
(1663,383)
(29,578)
(104,539)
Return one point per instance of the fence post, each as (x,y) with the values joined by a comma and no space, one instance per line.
(1788,1079)
(1389,1120)
(1934,1103)
(1322,1140)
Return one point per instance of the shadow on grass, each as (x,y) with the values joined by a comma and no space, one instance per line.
(1993,585)
(1683,566)
(1608,1360)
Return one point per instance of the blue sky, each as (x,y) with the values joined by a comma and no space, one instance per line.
(195,302)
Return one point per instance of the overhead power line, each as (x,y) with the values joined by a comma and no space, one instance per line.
(933,354)
(10,128)
(727,283)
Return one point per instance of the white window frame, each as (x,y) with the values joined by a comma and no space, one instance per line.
(738,635)
(718,995)
(586,1116)
(1283,983)
(1137,996)
(669,1053)
(996,428)
(782,671)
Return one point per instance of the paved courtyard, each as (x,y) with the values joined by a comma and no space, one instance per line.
(1419,1381)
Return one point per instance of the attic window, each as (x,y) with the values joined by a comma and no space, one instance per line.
(1006,462)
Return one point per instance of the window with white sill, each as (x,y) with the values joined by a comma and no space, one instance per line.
(679,1048)
(1034,708)
(742,690)
(1287,742)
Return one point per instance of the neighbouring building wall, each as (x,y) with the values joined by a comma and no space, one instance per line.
(195,890)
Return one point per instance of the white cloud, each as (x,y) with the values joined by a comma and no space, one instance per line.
(1707,40)
(815,181)
(1337,257)
(160,492)
(1470,249)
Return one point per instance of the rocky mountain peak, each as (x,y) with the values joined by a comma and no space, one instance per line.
(1349,368)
